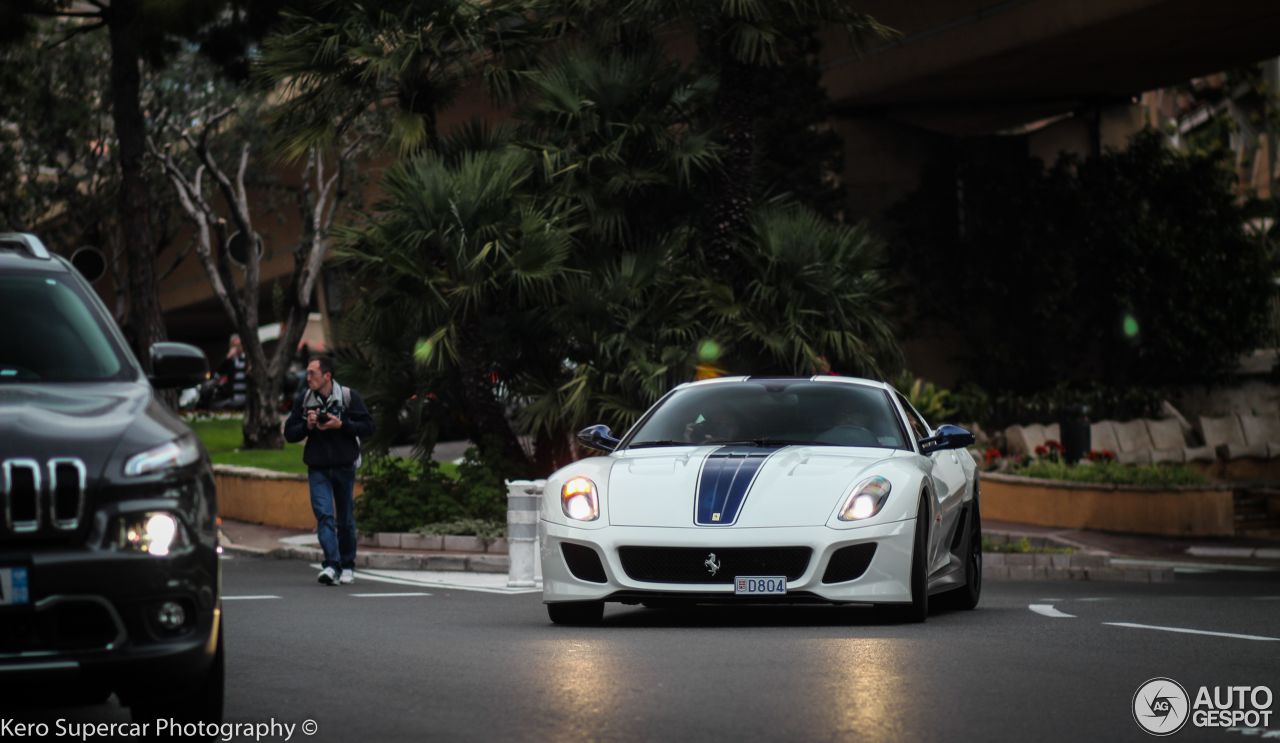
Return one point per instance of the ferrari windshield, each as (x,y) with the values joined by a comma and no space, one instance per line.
(774,412)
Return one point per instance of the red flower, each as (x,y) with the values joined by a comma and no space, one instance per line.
(1054,444)
(1041,451)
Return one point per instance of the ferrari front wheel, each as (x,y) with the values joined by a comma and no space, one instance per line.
(967,596)
(576,613)
(918,609)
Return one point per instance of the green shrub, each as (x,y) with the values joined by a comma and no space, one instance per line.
(929,400)
(401,495)
(480,492)
(482,528)
(1159,475)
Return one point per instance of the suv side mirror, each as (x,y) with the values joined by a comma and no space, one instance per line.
(598,437)
(177,365)
(946,437)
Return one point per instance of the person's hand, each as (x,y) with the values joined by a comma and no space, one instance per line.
(333,424)
(311,419)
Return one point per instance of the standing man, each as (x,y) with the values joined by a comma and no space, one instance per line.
(332,419)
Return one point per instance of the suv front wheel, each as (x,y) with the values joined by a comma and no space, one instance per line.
(202,702)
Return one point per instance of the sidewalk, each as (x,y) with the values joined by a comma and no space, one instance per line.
(239,537)
(1221,550)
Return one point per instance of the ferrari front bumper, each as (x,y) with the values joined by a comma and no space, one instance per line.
(886,578)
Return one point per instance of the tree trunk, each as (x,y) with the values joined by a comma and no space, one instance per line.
(551,452)
(261,414)
(730,208)
(146,323)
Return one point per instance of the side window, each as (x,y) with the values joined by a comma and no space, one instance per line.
(917,425)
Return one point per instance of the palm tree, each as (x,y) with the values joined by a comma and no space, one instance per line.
(469,258)
(743,41)
(339,60)
(814,298)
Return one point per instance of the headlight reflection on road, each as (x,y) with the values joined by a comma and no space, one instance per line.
(581,678)
(861,681)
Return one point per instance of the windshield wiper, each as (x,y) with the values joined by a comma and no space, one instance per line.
(646,444)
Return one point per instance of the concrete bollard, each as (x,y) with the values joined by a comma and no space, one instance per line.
(524,498)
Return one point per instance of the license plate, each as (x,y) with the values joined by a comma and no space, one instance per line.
(13,587)
(760,586)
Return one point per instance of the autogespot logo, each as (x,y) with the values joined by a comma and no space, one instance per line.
(1160,706)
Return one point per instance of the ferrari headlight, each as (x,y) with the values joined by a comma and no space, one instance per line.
(866,499)
(579,500)
(155,532)
(180,452)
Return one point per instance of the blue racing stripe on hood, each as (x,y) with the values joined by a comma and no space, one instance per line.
(726,477)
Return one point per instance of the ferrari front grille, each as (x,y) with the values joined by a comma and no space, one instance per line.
(712,565)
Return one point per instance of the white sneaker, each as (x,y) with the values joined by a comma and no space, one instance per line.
(327,576)
(348,576)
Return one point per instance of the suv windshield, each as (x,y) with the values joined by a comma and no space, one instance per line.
(50,333)
(775,412)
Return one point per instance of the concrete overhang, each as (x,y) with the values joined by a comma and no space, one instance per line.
(973,67)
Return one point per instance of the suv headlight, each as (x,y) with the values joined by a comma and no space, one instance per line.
(866,499)
(156,533)
(579,500)
(180,452)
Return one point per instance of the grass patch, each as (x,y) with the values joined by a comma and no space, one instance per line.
(223,437)
(1022,546)
(1113,473)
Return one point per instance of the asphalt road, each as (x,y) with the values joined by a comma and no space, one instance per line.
(459,665)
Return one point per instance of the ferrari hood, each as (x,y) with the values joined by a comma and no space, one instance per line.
(734,486)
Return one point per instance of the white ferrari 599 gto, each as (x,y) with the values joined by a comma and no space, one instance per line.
(748,489)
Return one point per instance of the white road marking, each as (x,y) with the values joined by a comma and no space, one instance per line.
(1194,631)
(1052,599)
(1047,610)
(443,579)
(388,595)
(1097,598)
(249,598)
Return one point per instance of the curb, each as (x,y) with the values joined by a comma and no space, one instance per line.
(475,563)
(1002,566)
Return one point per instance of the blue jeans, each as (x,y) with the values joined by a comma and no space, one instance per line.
(333,502)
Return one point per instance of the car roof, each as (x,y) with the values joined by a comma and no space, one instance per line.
(826,378)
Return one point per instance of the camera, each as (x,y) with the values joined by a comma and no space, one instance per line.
(322,416)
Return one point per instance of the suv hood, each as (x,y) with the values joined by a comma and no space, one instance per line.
(87,421)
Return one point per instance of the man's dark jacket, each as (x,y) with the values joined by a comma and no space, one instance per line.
(330,448)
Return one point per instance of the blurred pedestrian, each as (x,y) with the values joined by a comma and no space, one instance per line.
(333,419)
(234,369)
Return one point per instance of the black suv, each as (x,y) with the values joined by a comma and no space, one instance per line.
(109,572)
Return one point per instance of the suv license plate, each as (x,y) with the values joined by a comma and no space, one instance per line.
(760,586)
(13,587)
